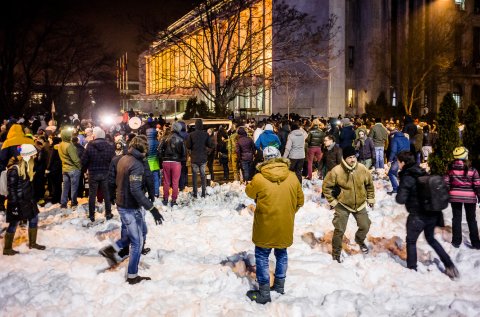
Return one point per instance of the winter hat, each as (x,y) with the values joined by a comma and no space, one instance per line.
(177,127)
(346,122)
(460,153)
(348,151)
(271,152)
(268,127)
(27,150)
(98,133)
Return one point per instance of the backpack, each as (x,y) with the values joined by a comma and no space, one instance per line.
(4,183)
(432,193)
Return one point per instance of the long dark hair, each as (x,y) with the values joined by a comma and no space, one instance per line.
(467,165)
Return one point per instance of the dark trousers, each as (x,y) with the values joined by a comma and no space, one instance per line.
(457,223)
(247,170)
(55,180)
(296,166)
(210,159)
(415,225)
(39,183)
(183,177)
(94,182)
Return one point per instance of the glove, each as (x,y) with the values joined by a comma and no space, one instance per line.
(157,216)
(371,205)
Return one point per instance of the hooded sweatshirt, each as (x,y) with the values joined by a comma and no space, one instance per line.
(68,153)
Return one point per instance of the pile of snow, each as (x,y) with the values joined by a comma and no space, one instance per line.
(201,259)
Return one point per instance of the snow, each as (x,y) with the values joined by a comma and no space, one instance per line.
(200,259)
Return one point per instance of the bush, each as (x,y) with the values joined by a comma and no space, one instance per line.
(448,138)
(196,109)
(471,133)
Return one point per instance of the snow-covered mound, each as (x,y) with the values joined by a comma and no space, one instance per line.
(201,264)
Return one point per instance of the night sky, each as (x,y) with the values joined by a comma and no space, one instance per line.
(116,26)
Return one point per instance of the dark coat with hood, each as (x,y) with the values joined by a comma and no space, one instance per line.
(97,157)
(245,147)
(129,180)
(407,189)
(199,143)
(21,204)
(347,135)
(283,135)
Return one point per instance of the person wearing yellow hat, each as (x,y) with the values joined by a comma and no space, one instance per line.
(21,204)
(463,182)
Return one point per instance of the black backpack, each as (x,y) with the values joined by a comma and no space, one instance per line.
(433,194)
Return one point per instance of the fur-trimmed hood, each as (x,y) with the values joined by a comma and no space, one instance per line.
(275,170)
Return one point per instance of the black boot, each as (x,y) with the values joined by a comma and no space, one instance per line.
(7,249)
(137,279)
(145,251)
(123,253)
(110,254)
(262,296)
(278,286)
(32,239)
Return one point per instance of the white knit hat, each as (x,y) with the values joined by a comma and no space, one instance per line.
(27,150)
(268,127)
(271,152)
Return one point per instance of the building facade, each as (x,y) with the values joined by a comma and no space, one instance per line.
(371,42)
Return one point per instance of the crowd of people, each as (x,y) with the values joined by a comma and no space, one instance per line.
(117,164)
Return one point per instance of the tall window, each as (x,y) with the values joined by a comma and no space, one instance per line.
(351,97)
(458,99)
(460,4)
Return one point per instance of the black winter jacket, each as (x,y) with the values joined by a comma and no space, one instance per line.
(21,204)
(148,182)
(172,148)
(97,157)
(199,143)
(315,137)
(407,189)
(283,136)
(129,181)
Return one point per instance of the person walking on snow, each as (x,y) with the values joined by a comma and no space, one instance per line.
(348,187)
(130,199)
(418,219)
(278,196)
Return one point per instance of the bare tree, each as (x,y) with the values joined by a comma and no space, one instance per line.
(428,50)
(229,48)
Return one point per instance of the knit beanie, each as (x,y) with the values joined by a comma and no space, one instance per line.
(348,151)
(460,153)
(98,133)
(271,152)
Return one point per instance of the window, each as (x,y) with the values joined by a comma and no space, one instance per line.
(351,59)
(460,4)
(458,99)
(394,99)
(351,97)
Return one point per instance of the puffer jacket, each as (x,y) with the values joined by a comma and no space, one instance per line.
(21,204)
(295,148)
(355,184)
(152,158)
(278,196)
(97,157)
(267,138)
(407,189)
(245,146)
(172,148)
(68,153)
(315,137)
(129,180)
(462,188)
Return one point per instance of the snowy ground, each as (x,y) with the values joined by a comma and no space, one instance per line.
(189,279)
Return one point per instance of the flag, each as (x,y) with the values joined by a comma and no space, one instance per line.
(53,107)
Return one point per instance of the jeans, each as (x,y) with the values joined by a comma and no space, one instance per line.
(224,162)
(415,225)
(247,170)
(94,182)
(32,223)
(156,182)
(296,166)
(392,175)
(367,163)
(196,168)
(313,153)
(261,261)
(379,159)
(470,210)
(70,183)
(171,175)
(133,234)
(340,220)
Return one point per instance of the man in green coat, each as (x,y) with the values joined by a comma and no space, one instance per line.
(348,188)
(71,168)
(278,196)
